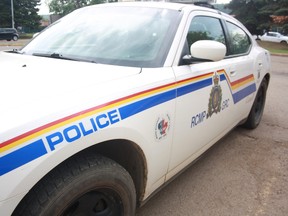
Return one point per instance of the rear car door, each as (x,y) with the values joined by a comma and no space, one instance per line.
(206,106)
(242,69)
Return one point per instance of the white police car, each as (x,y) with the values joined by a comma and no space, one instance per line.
(113,100)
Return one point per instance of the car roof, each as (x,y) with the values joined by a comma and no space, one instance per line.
(8,29)
(164,5)
(187,8)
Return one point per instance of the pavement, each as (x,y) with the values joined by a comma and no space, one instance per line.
(18,43)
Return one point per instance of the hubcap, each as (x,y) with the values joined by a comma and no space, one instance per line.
(95,203)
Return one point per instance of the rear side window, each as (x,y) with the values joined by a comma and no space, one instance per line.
(240,42)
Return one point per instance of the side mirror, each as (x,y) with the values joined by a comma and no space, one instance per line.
(206,50)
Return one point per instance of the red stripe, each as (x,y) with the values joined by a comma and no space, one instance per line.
(241,80)
(185,80)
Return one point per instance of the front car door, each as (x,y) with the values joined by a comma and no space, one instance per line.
(206,107)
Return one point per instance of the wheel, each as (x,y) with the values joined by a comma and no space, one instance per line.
(14,38)
(283,42)
(257,109)
(84,185)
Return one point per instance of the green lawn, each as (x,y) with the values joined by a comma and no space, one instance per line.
(26,36)
(275,48)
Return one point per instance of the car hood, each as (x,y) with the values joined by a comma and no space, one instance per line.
(34,88)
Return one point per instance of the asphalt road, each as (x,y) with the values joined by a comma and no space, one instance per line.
(8,45)
(244,174)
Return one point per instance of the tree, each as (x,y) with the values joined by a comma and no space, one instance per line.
(257,15)
(5,13)
(25,13)
(247,12)
(63,7)
(278,11)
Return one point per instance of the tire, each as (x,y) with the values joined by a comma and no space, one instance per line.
(14,38)
(257,109)
(85,185)
(283,42)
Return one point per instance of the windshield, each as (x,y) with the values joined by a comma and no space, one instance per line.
(125,36)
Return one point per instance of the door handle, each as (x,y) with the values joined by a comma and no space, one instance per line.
(232,73)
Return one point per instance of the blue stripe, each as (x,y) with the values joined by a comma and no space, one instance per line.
(222,77)
(244,93)
(193,87)
(238,96)
(22,156)
(139,106)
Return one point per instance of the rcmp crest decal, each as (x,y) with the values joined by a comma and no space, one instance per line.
(215,98)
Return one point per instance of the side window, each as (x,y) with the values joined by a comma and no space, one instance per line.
(205,28)
(240,42)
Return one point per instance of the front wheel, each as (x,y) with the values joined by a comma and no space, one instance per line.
(84,185)
(257,109)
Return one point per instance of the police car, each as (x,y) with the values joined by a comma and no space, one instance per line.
(110,102)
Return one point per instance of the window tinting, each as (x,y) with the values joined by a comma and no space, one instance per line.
(240,43)
(205,28)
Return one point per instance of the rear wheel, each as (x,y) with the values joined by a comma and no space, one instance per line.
(257,109)
(15,38)
(86,185)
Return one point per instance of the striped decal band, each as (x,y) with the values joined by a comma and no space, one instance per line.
(127,107)
(240,88)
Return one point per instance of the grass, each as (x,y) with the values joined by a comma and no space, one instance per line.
(26,36)
(274,48)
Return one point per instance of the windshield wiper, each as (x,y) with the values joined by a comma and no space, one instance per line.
(60,56)
(15,51)
(53,55)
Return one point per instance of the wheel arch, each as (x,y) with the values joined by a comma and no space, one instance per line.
(124,152)
(267,77)
(130,156)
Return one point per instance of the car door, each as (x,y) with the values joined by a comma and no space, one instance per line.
(274,37)
(205,106)
(268,37)
(243,65)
